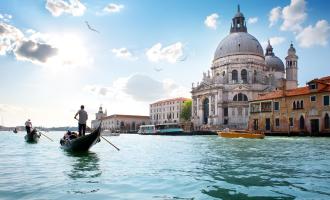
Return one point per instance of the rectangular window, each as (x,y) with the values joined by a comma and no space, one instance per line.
(312,86)
(313,98)
(277,122)
(225,112)
(276,106)
(325,100)
(291,121)
(225,121)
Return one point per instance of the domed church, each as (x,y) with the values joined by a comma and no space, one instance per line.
(240,71)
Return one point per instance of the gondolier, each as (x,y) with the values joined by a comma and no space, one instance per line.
(28,126)
(83,116)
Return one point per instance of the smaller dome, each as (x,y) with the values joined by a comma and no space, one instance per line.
(275,63)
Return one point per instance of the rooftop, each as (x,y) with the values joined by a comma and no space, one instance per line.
(324,86)
(173,99)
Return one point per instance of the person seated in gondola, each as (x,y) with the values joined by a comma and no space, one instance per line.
(70,135)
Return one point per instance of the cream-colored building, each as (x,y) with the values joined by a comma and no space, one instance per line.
(239,72)
(119,122)
(167,111)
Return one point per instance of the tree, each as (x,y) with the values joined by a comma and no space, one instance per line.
(186,110)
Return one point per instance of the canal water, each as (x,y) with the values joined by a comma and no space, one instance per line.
(166,168)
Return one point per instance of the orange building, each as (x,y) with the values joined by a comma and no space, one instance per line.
(300,111)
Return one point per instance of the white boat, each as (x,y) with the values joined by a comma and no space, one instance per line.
(147,129)
(107,132)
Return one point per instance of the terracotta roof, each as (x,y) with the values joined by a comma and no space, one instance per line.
(324,86)
(169,100)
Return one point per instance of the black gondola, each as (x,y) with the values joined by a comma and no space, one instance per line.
(15,130)
(83,143)
(32,137)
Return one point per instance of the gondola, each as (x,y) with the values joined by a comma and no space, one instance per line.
(32,137)
(83,143)
(15,130)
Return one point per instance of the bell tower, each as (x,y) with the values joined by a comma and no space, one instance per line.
(100,114)
(291,70)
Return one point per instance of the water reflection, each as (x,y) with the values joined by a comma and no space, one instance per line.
(85,165)
(85,173)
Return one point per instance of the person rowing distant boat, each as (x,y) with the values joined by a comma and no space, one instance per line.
(83,116)
(28,126)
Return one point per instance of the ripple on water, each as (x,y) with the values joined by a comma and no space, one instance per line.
(155,167)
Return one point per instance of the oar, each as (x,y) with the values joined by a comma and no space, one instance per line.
(46,136)
(110,143)
(104,138)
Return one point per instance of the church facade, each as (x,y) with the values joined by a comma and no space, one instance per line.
(239,72)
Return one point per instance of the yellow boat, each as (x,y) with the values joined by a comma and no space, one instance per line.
(241,134)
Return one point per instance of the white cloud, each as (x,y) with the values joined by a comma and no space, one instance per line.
(5,17)
(253,20)
(113,8)
(57,51)
(274,41)
(274,16)
(211,21)
(124,53)
(317,35)
(294,15)
(171,53)
(59,7)
(141,88)
(10,36)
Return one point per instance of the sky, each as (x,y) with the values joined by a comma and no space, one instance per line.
(56,55)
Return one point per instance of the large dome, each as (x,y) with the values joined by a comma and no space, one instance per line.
(274,62)
(238,43)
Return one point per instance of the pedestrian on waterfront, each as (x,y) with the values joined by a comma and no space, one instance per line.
(83,116)
(28,126)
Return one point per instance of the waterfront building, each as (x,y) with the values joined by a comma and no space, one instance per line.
(304,110)
(167,111)
(239,72)
(119,122)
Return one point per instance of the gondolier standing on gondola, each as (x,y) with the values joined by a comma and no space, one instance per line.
(28,126)
(83,116)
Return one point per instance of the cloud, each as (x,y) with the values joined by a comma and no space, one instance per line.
(274,41)
(10,36)
(293,16)
(171,53)
(211,21)
(113,8)
(139,87)
(317,35)
(59,7)
(34,51)
(5,17)
(57,51)
(253,20)
(274,16)
(124,53)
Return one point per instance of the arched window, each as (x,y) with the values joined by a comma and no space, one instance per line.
(298,105)
(240,97)
(234,76)
(302,104)
(244,75)
(326,121)
(294,105)
(302,122)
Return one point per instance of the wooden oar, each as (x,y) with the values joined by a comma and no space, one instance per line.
(103,138)
(46,136)
(110,143)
